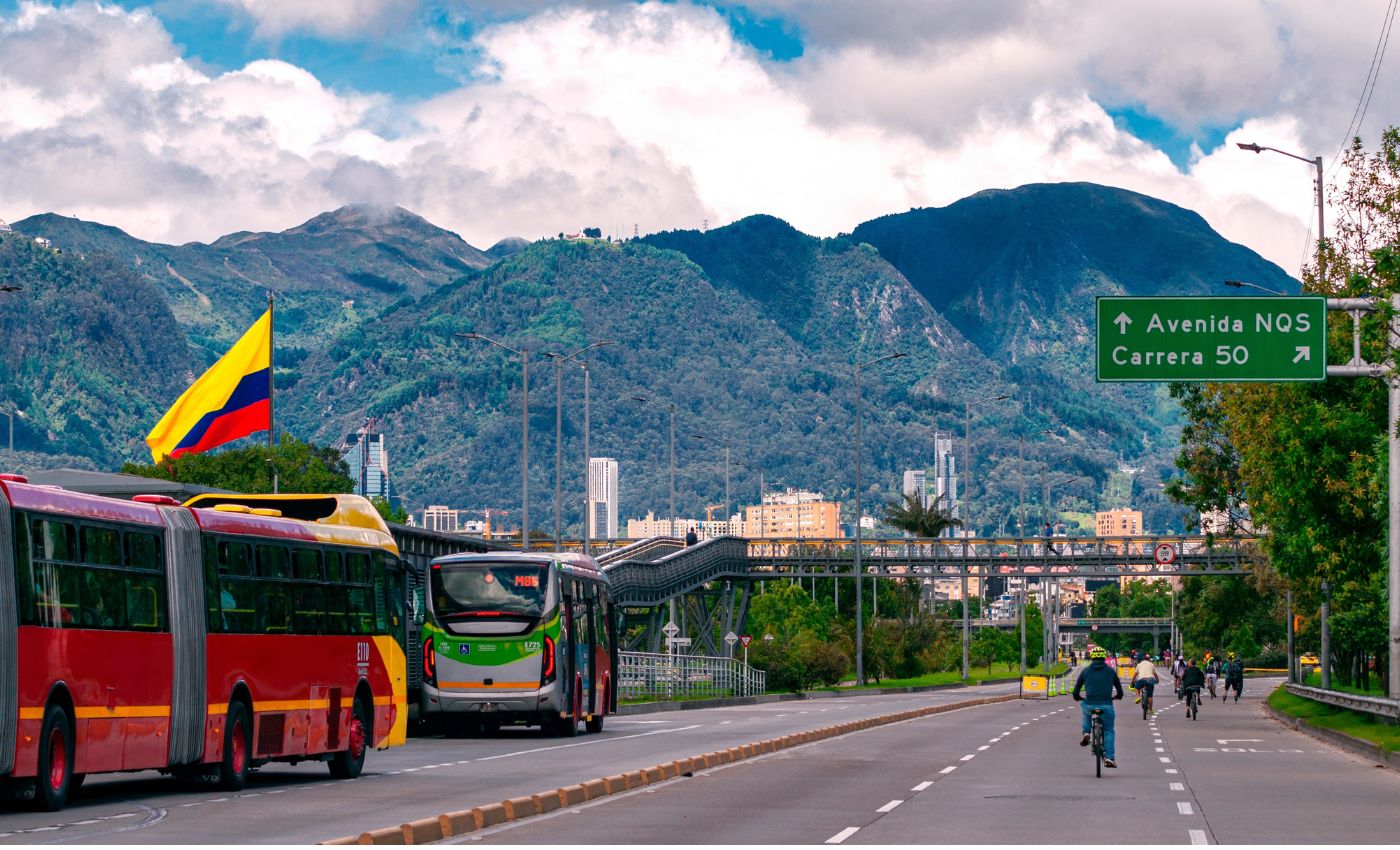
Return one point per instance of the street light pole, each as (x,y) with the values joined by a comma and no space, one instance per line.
(967,515)
(524,433)
(724,442)
(559,360)
(1325,656)
(860,629)
(1316,162)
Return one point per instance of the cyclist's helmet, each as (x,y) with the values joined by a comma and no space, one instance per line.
(1098,652)
(1232,656)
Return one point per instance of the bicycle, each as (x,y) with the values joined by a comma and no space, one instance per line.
(1193,702)
(1096,739)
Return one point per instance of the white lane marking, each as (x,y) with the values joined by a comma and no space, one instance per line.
(1160,749)
(1164,760)
(984,747)
(1177,786)
(652,722)
(968,757)
(1156,740)
(993,740)
(949,769)
(922,786)
(840,836)
(727,722)
(1184,808)
(889,807)
(594,741)
(1172,770)
(1198,836)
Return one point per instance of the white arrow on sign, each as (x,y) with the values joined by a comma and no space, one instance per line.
(1238,741)
(1304,352)
(731,638)
(1122,322)
(670,629)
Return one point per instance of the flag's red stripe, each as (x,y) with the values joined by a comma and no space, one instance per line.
(232,425)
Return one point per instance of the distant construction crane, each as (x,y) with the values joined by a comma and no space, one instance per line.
(710,510)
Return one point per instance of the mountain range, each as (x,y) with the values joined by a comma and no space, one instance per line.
(750,330)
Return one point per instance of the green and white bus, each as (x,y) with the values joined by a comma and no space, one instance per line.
(518,638)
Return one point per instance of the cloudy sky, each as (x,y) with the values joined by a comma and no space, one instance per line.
(184,120)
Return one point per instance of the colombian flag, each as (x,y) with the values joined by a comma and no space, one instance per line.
(231,400)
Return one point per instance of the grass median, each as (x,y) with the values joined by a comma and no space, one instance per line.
(1338,719)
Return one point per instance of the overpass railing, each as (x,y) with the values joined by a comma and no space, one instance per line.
(649,549)
(661,676)
(637,582)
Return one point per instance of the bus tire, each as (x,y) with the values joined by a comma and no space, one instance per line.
(595,724)
(348,763)
(238,748)
(55,777)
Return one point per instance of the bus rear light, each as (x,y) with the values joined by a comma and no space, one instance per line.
(548,674)
(429,662)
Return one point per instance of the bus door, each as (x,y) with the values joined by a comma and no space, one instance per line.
(590,681)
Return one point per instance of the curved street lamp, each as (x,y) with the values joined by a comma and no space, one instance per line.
(559,360)
(860,630)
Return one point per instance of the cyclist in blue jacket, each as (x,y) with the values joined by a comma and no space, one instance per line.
(1099,686)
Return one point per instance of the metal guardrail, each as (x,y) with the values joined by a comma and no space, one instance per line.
(647,674)
(1356,702)
(648,549)
(637,582)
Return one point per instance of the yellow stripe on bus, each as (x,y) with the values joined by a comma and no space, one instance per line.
(92,712)
(291,705)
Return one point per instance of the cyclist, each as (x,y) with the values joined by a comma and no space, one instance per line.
(1192,680)
(1178,667)
(1234,677)
(1100,686)
(1145,680)
(1212,673)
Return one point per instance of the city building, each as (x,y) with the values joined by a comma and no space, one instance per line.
(916,485)
(442,518)
(365,453)
(946,480)
(1218,522)
(602,498)
(654,526)
(1118,522)
(794,513)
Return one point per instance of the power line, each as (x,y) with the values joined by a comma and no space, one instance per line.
(1368,88)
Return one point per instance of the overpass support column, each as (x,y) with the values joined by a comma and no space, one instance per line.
(1156,640)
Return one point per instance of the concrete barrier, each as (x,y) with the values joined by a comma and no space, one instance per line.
(457,823)
(464,822)
(424,831)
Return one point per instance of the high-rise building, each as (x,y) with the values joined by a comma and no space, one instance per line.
(602,498)
(946,481)
(916,485)
(368,459)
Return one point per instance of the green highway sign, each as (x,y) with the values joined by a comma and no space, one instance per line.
(1212,339)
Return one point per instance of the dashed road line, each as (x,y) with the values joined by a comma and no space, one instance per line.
(968,757)
(843,835)
(1184,808)
(922,786)
(889,807)
(1198,836)
(949,769)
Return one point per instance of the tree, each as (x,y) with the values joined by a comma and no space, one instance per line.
(918,519)
(388,511)
(987,646)
(300,467)
(593,232)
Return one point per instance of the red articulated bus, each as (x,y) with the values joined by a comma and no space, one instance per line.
(200,640)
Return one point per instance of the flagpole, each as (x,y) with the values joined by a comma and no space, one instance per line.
(271,389)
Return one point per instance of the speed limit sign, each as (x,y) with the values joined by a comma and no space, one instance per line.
(1164,553)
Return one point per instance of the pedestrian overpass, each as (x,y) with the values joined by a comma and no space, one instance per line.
(712,583)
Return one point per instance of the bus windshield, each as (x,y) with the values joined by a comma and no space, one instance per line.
(489,589)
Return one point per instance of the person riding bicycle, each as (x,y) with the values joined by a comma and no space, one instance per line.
(1100,687)
(1234,677)
(1193,679)
(1212,669)
(1145,681)
(1178,667)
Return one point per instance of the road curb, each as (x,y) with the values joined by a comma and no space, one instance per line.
(762,699)
(453,824)
(1341,740)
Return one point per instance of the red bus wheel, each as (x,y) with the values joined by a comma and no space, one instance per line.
(238,749)
(595,725)
(348,763)
(55,760)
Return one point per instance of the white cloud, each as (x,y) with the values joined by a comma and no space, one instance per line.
(336,18)
(654,114)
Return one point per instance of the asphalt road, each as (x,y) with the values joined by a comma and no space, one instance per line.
(1012,773)
(428,776)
